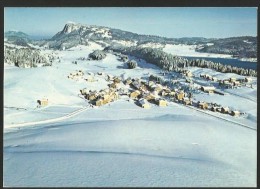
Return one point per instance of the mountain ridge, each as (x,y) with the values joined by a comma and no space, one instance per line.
(73,34)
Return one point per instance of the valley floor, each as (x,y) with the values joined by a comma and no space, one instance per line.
(70,143)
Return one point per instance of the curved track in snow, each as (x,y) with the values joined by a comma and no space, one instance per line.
(48,120)
(110,152)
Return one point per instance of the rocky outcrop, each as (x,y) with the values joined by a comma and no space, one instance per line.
(97,55)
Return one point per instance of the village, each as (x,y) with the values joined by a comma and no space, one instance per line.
(154,90)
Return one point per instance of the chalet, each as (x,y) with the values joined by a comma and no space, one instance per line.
(172,93)
(224,110)
(136,84)
(99,102)
(80,73)
(187,101)
(158,88)
(214,79)
(136,79)
(135,94)
(144,103)
(149,96)
(214,108)
(226,84)
(202,75)
(180,95)
(91,96)
(114,96)
(211,91)
(236,83)
(128,81)
(188,73)
(162,93)
(84,91)
(176,90)
(105,97)
(155,93)
(207,88)
(117,80)
(123,91)
(235,113)
(113,85)
(70,76)
(144,88)
(161,102)
(76,75)
(90,79)
(43,102)
(248,79)
(232,79)
(110,77)
(151,83)
(202,105)
(209,77)
(152,86)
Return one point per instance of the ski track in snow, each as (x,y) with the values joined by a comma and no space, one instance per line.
(102,152)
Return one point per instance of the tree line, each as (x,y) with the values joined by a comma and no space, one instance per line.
(170,62)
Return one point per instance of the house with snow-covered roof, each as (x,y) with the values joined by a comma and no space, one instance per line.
(202,105)
(224,109)
(43,102)
(161,102)
(134,94)
(144,103)
(235,113)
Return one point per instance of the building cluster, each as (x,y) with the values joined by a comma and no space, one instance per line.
(153,92)
(208,77)
(217,108)
(77,75)
(228,83)
(100,98)
(149,92)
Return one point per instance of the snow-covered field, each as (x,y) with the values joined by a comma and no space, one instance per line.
(121,144)
(189,50)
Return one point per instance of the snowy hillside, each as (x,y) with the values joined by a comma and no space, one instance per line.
(71,142)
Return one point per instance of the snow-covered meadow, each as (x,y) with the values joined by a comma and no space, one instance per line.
(189,50)
(69,143)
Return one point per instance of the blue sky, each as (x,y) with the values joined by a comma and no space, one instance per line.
(169,22)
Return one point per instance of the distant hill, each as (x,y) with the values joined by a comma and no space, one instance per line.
(74,34)
(242,47)
(18,34)
(17,38)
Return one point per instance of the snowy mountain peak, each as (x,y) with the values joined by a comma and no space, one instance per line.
(70,26)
